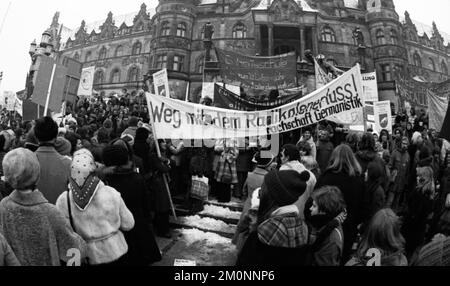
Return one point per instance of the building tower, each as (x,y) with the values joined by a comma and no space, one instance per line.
(172,42)
(388,52)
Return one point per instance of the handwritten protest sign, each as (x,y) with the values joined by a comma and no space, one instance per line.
(182,120)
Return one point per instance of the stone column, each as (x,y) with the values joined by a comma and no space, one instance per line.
(258,39)
(302,42)
(270,29)
(315,43)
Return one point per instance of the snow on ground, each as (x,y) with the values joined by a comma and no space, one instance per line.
(220,212)
(207,223)
(193,235)
(234,202)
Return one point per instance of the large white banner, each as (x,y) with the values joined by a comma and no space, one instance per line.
(86,81)
(161,83)
(383,116)
(174,119)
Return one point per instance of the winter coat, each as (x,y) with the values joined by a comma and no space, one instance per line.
(7,256)
(101,223)
(329,251)
(353,191)
(244,160)
(227,165)
(311,144)
(37,231)
(324,150)
(55,172)
(158,189)
(142,247)
(400,162)
(254,180)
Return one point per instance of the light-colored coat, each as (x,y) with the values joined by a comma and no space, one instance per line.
(100,224)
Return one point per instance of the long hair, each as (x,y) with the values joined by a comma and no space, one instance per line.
(343,160)
(383,233)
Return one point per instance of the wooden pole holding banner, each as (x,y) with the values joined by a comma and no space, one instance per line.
(158,151)
(49,90)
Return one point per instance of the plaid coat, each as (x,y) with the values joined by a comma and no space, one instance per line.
(227,165)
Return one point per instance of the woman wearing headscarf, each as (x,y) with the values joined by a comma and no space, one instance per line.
(97,212)
(142,247)
(36,230)
(420,206)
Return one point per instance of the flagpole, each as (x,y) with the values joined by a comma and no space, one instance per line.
(158,151)
(49,90)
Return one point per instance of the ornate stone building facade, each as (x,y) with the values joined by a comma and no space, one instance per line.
(124,49)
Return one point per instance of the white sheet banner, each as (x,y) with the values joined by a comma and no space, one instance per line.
(383,116)
(176,119)
(86,81)
(161,83)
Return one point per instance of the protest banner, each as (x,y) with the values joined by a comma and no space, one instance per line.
(175,119)
(208,90)
(8,100)
(161,83)
(258,73)
(437,108)
(382,116)
(87,81)
(370,87)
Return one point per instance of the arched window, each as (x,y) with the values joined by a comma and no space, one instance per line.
(181,30)
(328,35)
(432,65)
(394,37)
(99,77)
(133,74)
(380,37)
(137,47)
(102,54)
(88,56)
(417,60)
(239,31)
(165,29)
(76,57)
(115,76)
(119,51)
(444,69)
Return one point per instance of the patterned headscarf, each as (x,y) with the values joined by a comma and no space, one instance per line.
(83,181)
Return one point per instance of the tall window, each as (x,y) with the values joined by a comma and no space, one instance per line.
(119,51)
(328,35)
(394,37)
(115,76)
(178,63)
(181,30)
(133,74)
(161,62)
(137,47)
(444,68)
(380,37)
(76,57)
(432,65)
(102,54)
(417,60)
(165,29)
(386,73)
(99,77)
(200,64)
(239,31)
(88,56)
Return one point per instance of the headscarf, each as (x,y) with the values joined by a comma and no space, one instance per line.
(83,182)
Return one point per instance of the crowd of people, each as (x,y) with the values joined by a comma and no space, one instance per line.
(96,182)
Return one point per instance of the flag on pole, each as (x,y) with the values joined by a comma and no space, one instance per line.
(437,108)
(87,81)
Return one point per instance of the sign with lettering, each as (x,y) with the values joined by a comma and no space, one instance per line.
(382,116)
(370,87)
(176,119)
(161,83)
(259,73)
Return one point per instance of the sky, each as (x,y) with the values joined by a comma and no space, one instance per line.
(27,19)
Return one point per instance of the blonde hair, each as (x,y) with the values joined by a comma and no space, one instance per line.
(343,160)
(21,168)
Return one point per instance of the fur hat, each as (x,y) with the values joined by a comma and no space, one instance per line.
(63,146)
(115,155)
(21,169)
(285,187)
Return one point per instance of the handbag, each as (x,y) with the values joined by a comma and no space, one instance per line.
(199,188)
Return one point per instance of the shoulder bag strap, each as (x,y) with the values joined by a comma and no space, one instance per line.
(70,212)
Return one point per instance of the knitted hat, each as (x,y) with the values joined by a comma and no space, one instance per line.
(63,146)
(285,187)
(115,155)
(21,169)
(435,253)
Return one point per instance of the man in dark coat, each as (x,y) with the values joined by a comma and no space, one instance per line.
(324,150)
